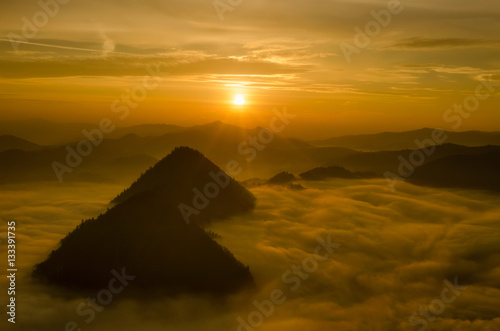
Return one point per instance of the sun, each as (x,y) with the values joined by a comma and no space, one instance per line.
(239,100)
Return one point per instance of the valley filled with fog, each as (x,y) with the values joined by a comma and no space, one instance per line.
(395,252)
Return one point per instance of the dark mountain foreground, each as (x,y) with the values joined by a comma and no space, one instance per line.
(147,234)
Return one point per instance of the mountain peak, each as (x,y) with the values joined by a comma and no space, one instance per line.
(146,232)
(185,178)
(161,172)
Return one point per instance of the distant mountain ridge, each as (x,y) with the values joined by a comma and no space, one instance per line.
(123,159)
(8,142)
(380,162)
(45,132)
(220,142)
(389,141)
(322,173)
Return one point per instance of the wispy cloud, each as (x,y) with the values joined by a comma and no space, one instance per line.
(428,43)
(108,45)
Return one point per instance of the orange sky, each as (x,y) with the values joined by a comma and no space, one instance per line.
(74,65)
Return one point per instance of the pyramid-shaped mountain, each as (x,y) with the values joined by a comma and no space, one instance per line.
(146,234)
(192,185)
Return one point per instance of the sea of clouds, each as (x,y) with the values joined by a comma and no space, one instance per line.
(396,250)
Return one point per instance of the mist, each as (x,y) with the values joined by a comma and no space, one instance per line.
(395,252)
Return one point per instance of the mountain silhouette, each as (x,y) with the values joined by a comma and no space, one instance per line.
(8,142)
(393,141)
(44,132)
(380,162)
(146,234)
(281,178)
(285,179)
(461,171)
(145,130)
(123,159)
(322,173)
(186,175)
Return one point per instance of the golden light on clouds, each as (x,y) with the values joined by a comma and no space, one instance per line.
(323,113)
(407,66)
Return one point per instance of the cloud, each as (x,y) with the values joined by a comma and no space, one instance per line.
(396,251)
(430,43)
(108,45)
(175,63)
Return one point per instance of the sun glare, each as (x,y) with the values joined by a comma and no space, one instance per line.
(239,100)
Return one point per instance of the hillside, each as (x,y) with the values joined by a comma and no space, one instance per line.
(461,171)
(147,234)
(176,178)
